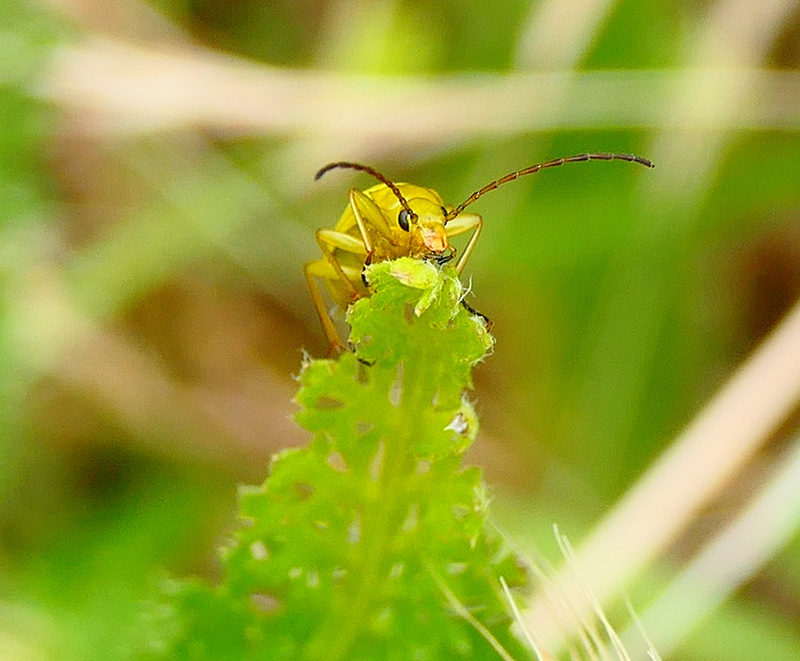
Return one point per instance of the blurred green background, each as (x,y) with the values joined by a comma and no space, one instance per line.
(157,203)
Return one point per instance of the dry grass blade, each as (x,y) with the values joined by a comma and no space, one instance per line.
(463,612)
(119,87)
(711,450)
(765,525)
(570,609)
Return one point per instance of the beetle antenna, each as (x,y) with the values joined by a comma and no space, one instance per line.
(630,158)
(374,173)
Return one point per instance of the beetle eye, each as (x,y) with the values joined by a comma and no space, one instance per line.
(403,219)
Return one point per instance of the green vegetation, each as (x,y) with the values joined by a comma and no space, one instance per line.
(370,543)
(157,203)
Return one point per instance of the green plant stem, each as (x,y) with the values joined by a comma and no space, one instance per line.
(335,638)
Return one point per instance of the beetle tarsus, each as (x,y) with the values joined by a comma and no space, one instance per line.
(475,313)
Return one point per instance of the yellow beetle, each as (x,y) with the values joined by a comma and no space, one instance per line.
(392,220)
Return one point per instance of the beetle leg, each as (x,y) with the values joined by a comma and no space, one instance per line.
(330,239)
(460,224)
(366,215)
(319,304)
(464,223)
(329,268)
(323,269)
(366,212)
(474,312)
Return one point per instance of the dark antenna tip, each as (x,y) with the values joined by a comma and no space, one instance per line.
(322,171)
(380,177)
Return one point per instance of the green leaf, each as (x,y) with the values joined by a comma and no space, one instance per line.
(358,546)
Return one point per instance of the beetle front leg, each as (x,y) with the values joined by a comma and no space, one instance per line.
(309,269)
(323,269)
(331,239)
(460,225)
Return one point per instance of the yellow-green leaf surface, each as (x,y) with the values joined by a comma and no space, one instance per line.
(364,544)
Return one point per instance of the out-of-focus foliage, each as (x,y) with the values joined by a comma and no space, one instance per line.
(25,193)
(153,307)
